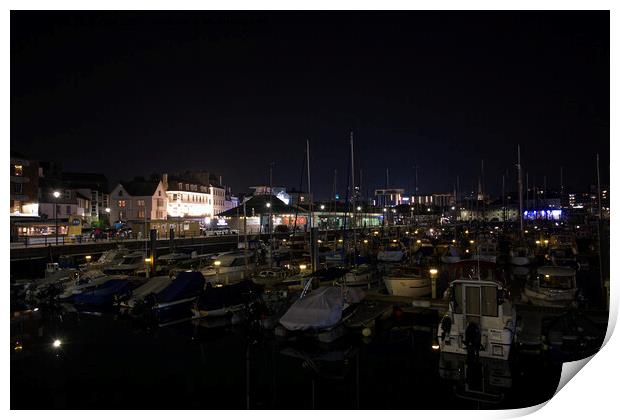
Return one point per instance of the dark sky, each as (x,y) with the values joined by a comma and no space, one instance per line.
(135,93)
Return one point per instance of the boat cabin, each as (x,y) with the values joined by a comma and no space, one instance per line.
(480,320)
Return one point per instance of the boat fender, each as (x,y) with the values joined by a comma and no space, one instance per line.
(446,326)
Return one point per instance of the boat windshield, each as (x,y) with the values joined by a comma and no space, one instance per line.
(556,282)
(132,260)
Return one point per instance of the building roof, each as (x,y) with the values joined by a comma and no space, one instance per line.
(258,205)
(140,188)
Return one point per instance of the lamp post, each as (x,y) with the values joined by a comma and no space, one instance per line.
(433,272)
(56,194)
(217,264)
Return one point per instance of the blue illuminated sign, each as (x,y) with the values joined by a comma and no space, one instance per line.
(555,214)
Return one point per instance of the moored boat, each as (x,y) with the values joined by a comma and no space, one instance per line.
(481,320)
(407,281)
(552,286)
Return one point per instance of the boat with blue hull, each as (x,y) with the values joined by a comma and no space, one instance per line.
(107,294)
(168,301)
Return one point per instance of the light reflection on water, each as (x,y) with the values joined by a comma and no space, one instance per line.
(114,362)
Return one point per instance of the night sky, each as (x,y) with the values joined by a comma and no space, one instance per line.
(135,93)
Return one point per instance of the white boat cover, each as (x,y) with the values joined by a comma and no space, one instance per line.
(320,309)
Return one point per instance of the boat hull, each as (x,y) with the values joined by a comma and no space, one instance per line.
(390,256)
(552,298)
(407,286)
(521,261)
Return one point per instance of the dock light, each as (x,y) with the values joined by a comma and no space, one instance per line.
(88,258)
(147,260)
(217,263)
(302,267)
(546,241)
(431,231)
(365,241)
(526,231)
(322,206)
(496,227)
(577,226)
(394,240)
(407,233)
(340,240)
(359,208)
(56,194)
(452,208)
(466,232)
(433,271)
(546,276)
(471,241)
(268,204)
(107,209)
(537,242)
(416,232)
(453,241)
(418,241)
(283,240)
(18,346)
(375,233)
(467,251)
(56,344)
(435,346)
(384,209)
(428,209)
(319,241)
(35,309)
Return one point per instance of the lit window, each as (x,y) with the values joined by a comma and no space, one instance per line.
(121,203)
(19,170)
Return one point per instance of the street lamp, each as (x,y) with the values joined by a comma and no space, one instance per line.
(433,273)
(56,194)
(217,264)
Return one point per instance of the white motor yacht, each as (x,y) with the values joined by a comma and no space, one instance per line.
(552,286)
(480,320)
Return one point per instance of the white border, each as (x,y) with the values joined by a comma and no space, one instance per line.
(592,394)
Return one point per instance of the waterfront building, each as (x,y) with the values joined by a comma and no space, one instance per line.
(195,195)
(258,208)
(138,201)
(95,188)
(24,176)
(389,197)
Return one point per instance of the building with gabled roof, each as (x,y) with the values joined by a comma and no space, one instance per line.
(138,200)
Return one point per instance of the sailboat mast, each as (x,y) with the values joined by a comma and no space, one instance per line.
(600,228)
(309,192)
(520,192)
(353,199)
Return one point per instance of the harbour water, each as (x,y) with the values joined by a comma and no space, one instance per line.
(107,361)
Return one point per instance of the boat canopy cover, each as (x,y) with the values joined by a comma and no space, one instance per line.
(104,294)
(187,284)
(321,308)
(217,297)
(154,285)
